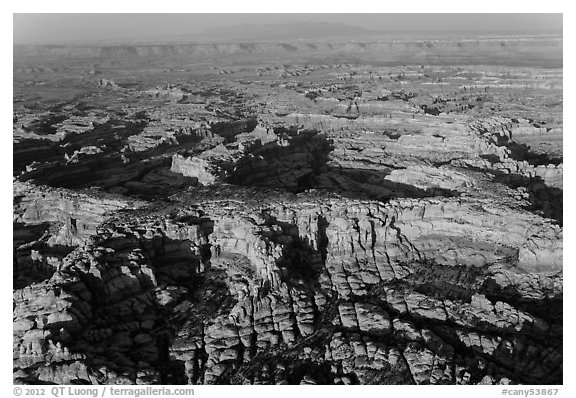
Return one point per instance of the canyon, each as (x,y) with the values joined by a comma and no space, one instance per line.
(316,212)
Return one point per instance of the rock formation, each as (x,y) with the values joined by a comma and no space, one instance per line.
(291,223)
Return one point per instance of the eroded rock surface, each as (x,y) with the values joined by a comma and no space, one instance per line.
(290,223)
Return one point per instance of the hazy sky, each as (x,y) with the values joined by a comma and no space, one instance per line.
(48,28)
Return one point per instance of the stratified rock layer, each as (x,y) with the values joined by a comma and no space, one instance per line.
(289,223)
(222,286)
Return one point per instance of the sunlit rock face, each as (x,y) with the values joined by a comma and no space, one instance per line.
(296,213)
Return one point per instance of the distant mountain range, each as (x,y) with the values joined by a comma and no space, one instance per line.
(291,32)
(323,31)
(286,32)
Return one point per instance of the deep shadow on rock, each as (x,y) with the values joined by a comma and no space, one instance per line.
(305,164)
(546,199)
(521,152)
